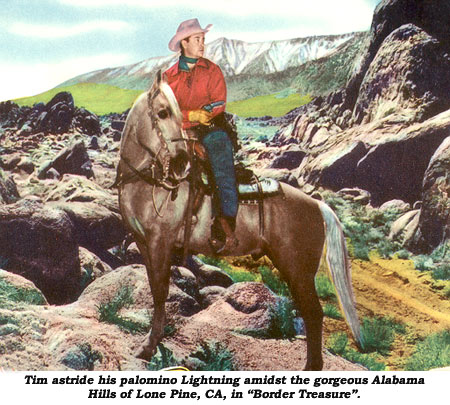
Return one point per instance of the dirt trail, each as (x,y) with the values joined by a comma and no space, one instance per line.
(393,288)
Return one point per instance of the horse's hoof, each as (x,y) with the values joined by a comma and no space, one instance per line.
(313,367)
(145,353)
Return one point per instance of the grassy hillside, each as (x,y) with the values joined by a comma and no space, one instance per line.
(274,105)
(97,98)
(104,99)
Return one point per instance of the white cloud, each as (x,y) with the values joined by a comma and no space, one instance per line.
(318,16)
(46,31)
(292,8)
(22,80)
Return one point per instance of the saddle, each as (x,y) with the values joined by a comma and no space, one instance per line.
(251,190)
(250,187)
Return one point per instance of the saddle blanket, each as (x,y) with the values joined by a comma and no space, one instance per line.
(251,191)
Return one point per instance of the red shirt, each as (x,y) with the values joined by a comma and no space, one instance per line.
(202,85)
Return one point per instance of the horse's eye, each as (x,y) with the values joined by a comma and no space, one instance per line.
(163,114)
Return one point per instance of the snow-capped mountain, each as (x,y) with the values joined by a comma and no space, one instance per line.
(236,57)
(233,56)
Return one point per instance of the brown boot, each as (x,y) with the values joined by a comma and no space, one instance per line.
(230,243)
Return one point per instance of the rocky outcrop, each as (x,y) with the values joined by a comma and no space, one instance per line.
(402,76)
(74,337)
(75,188)
(430,16)
(380,131)
(58,116)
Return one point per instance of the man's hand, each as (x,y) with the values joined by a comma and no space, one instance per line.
(201,116)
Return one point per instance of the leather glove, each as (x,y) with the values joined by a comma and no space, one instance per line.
(201,116)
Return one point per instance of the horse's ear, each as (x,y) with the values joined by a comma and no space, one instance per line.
(156,82)
(158,77)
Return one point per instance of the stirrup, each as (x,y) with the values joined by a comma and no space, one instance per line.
(224,247)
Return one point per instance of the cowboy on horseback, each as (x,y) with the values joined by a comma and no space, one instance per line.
(200,89)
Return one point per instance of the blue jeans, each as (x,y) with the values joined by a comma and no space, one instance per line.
(220,154)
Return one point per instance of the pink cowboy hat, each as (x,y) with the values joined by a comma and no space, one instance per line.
(186,29)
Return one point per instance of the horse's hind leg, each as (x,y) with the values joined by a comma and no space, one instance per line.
(302,287)
(158,271)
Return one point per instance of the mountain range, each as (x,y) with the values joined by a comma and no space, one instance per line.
(265,67)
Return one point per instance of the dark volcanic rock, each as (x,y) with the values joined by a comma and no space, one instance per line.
(86,122)
(73,160)
(289,159)
(58,115)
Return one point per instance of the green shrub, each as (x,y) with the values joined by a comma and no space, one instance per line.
(446,291)
(438,262)
(282,319)
(331,311)
(441,272)
(338,342)
(367,228)
(212,356)
(82,358)
(11,293)
(423,263)
(324,287)
(433,352)
(281,322)
(164,358)
(274,282)
(379,333)
(236,275)
(109,312)
(5,319)
(403,254)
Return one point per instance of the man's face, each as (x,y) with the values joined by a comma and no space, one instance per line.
(194,46)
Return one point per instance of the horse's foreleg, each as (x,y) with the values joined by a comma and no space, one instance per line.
(158,271)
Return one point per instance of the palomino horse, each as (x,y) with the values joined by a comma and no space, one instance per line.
(153,197)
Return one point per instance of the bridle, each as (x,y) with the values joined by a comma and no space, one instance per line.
(157,172)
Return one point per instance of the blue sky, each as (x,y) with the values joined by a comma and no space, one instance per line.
(45,42)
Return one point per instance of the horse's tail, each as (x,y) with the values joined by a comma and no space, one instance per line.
(340,269)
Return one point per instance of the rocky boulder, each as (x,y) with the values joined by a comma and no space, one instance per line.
(8,189)
(86,122)
(402,78)
(430,16)
(75,188)
(39,243)
(96,227)
(289,159)
(434,221)
(208,275)
(405,227)
(58,114)
(73,160)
